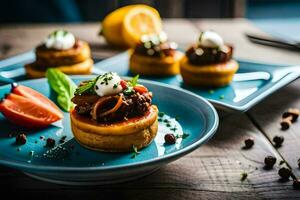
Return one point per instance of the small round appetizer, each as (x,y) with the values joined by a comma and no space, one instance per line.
(209,63)
(155,56)
(61,50)
(113,115)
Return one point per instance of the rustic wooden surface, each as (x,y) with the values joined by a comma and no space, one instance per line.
(214,170)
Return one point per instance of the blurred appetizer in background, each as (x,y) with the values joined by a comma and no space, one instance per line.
(208,63)
(113,115)
(125,26)
(155,56)
(63,51)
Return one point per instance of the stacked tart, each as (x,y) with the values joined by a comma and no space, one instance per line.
(155,56)
(113,115)
(208,63)
(63,51)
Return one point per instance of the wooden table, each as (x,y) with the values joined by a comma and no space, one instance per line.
(212,171)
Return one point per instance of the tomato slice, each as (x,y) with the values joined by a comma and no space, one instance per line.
(123,84)
(26,113)
(38,98)
(140,89)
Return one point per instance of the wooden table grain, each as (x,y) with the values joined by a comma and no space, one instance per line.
(214,170)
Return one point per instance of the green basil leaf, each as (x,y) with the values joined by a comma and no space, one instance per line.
(63,86)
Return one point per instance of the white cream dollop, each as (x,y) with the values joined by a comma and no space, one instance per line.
(211,39)
(108,84)
(60,40)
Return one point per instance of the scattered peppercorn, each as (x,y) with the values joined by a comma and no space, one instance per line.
(296,184)
(50,142)
(293,112)
(170,138)
(278,140)
(284,173)
(21,139)
(244,175)
(270,162)
(249,142)
(286,123)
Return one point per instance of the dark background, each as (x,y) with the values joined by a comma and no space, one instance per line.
(29,11)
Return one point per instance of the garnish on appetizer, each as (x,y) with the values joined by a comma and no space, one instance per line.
(28,108)
(63,86)
(62,50)
(113,115)
(155,56)
(208,63)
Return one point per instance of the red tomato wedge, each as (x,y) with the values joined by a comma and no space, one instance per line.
(29,112)
(37,98)
(140,89)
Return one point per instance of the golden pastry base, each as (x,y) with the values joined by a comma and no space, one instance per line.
(216,75)
(151,66)
(84,67)
(117,137)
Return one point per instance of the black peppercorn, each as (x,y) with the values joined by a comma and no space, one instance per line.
(249,142)
(293,112)
(296,184)
(270,162)
(286,123)
(278,140)
(284,173)
(21,139)
(170,138)
(50,142)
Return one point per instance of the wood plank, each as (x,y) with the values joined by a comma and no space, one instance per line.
(211,172)
(268,114)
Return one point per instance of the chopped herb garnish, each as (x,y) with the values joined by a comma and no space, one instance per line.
(222,97)
(183,136)
(161,114)
(135,151)
(244,175)
(211,91)
(160,120)
(116,85)
(166,121)
(177,118)
(173,129)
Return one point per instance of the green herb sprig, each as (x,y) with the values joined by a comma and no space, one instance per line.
(87,87)
(130,85)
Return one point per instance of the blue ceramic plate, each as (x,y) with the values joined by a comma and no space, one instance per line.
(239,95)
(69,163)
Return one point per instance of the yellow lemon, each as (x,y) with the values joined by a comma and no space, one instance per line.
(113,24)
(138,22)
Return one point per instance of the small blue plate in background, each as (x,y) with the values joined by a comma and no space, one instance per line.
(70,163)
(238,96)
